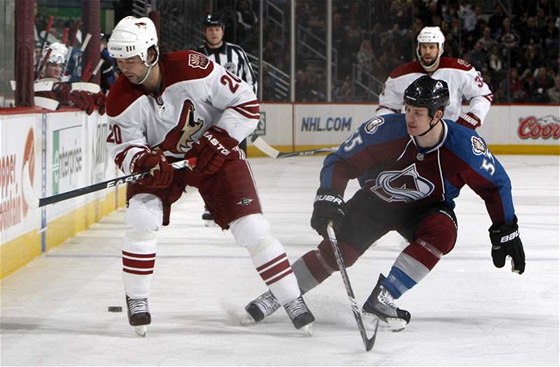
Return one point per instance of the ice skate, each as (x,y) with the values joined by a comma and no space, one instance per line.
(138,314)
(380,304)
(300,315)
(263,306)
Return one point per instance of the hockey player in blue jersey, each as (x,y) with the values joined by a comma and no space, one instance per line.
(410,167)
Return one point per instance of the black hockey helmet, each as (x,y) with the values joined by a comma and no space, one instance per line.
(427,92)
(212,21)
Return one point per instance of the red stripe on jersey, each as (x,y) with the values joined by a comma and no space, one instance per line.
(248,109)
(139,256)
(139,264)
(269,274)
(266,265)
(408,68)
(274,280)
(123,94)
(454,63)
(422,255)
(138,272)
(184,65)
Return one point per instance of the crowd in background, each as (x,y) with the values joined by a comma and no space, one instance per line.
(516,50)
(517,54)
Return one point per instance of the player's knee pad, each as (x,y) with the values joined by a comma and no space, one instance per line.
(252,232)
(144,214)
(349,253)
(438,230)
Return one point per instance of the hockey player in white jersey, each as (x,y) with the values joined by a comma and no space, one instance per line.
(464,81)
(165,108)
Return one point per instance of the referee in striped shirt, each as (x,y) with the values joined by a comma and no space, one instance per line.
(230,56)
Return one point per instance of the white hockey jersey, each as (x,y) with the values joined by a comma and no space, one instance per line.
(463,80)
(195,95)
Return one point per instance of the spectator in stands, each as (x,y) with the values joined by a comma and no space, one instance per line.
(496,20)
(343,91)
(486,41)
(550,39)
(529,62)
(530,34)
(453,37)
(554,92)
(513,89)
(509,39)
(478,57)
(496,64)
(539,85)
(247,21)
(304,87)
(365,59)
(468,16)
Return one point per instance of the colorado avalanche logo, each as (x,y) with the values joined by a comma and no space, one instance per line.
(404,186)
(373,124)
(478,146)
(198,61)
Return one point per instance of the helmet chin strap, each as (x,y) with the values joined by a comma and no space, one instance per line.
(432,67)
(150,66)
(430,128)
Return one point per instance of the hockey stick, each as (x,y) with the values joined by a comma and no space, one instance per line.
(34,202)
(274,153)
(43,43)
(368,342)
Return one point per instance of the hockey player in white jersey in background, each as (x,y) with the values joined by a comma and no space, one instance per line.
(181,105)
(464,81)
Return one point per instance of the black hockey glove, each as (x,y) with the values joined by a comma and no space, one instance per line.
(506,242)
(328,206)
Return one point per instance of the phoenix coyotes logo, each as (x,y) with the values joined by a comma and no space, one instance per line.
(404,186)
(179,139)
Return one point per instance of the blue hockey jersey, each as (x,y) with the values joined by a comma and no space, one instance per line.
(388,162)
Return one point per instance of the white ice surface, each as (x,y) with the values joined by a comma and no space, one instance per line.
(466,312)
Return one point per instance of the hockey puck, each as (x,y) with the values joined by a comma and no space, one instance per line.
(114,309)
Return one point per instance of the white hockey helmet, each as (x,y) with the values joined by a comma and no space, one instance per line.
(58,52)
(133,36)
(430,35)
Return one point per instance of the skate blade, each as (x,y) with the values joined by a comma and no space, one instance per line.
(209,223)
(308,329)
(247,321)
(394,323)
(141,330)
